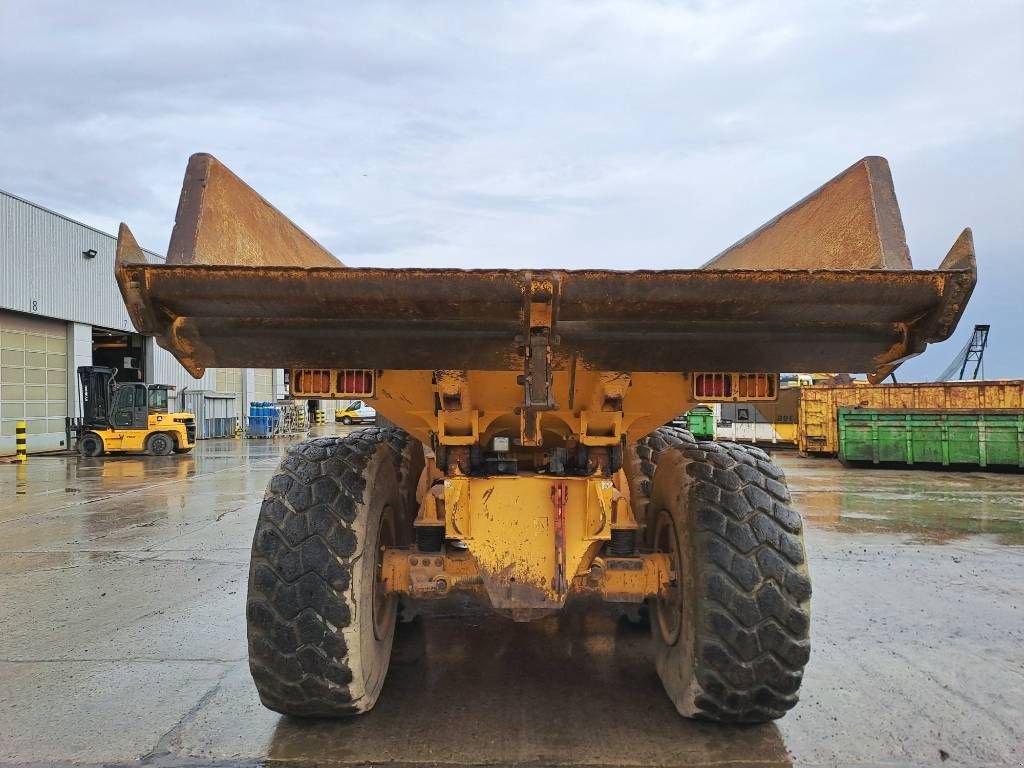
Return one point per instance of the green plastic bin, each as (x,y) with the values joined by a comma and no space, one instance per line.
(978,438)
(701,422)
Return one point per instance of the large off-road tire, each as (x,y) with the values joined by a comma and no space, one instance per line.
(320,625)
(731,637)
(639,464)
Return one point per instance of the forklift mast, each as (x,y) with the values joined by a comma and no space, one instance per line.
(97,383)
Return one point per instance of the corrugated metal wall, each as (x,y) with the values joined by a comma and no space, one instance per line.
(43,272)
(166,370)
(229,380)
(264,390)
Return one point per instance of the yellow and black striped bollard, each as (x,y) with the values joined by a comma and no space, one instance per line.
(21,441)
(21,478)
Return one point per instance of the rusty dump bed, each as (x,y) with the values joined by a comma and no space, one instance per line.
(827,285)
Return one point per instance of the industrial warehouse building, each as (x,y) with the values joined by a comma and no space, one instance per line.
(60,308)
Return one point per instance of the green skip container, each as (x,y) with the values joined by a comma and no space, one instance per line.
(976,438)
(700,421)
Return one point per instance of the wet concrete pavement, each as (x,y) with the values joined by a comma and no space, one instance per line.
(122,636)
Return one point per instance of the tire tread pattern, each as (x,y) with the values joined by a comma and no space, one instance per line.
(752,638)
(303,552)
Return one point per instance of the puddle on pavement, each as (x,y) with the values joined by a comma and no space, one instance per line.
(927,506)
(515,684)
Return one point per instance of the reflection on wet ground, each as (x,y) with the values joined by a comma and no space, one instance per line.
(578,687)
(122,588)
(923,505)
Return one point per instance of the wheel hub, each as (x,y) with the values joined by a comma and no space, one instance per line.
(669,603)
(385,604)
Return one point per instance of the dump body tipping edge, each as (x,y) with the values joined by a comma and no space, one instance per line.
(765,320)
(245,286)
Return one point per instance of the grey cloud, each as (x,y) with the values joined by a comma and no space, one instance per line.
(617,134)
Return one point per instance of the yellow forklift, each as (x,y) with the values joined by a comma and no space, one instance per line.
(129,417)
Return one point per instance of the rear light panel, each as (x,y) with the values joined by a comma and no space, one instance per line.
(354,382)
(307,382)
(735,387)
(757,386)
(712,386)
(333,383)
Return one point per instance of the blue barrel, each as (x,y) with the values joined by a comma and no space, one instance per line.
(258,420)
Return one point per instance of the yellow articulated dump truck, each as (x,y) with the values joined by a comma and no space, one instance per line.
(520,454)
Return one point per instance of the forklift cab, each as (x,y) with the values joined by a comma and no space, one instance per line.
(158,398)
(130,406)
(133,403)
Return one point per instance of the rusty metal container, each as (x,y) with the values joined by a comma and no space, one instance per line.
(819,405)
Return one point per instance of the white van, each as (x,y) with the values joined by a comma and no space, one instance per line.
(356,412)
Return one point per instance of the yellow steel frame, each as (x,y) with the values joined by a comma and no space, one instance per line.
(532,537)
(529,535)
(597,408)
(435,575)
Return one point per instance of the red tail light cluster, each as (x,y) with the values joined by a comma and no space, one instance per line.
(332,382)
(311,382)
(711,386)
(355,382)
(756,385)
(735,386)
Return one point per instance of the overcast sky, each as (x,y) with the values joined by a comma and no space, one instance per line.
(610,134)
